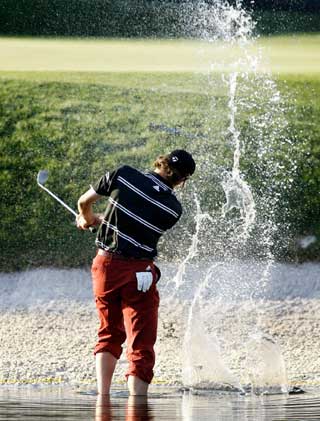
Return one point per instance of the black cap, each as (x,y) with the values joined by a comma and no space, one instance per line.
(182,161)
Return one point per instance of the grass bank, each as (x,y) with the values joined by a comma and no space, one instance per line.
(79,124)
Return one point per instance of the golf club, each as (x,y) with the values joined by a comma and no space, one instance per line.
(41,179)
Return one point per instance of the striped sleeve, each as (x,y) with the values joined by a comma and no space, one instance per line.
(103,185)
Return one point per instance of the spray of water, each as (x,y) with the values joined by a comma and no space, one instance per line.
(265,365)
(237,191)
(244,226)
(200,217)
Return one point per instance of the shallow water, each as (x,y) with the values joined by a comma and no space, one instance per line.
(162,404)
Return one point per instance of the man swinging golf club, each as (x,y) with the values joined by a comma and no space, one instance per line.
(140,208)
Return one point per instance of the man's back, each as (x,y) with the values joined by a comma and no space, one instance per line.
(140,208)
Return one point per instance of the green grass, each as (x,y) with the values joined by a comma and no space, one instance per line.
(79,124)
(76,131)
(283,54)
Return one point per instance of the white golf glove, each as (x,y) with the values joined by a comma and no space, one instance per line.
(144,280)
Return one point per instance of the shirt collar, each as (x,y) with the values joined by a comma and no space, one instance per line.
(160,178)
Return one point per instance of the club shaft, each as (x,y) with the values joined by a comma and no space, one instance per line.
(58,200)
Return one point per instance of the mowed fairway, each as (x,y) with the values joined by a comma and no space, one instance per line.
(290,55)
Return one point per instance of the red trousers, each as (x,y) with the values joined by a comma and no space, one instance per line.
(126,313)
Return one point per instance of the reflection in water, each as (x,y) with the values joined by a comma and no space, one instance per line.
(103,408)
(136,409)
(162,404)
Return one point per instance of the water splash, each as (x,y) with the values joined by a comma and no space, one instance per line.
(237,191)
(200,217)
(204,367)
(245,226)
(219,22)
(265,365)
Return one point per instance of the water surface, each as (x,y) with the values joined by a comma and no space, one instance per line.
(162,404)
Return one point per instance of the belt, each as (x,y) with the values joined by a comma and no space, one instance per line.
(119,256)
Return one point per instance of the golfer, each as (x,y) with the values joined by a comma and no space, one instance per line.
(140,208)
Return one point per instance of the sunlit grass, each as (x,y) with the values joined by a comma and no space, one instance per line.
(293,54)
(289,54)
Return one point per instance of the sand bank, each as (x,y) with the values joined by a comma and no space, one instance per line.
(48,326)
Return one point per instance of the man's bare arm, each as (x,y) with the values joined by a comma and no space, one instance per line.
(87,217)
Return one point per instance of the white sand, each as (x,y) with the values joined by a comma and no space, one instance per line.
(48,326)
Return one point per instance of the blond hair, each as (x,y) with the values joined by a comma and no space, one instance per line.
(172,175)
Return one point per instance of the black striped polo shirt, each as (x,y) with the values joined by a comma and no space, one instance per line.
(140,208)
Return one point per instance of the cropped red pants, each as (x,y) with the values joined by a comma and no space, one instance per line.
(126,313)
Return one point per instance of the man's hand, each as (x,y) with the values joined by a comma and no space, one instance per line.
(84,224)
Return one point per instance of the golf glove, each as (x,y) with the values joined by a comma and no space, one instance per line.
(144,280)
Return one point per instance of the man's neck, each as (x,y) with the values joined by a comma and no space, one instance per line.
(163,175)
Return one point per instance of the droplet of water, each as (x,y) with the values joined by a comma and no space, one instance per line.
(265,365)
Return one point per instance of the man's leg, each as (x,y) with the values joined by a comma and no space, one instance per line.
(137,387)
(140,312)
(105,365)
(111,333)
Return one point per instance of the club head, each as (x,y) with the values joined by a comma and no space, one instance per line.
(42,176)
